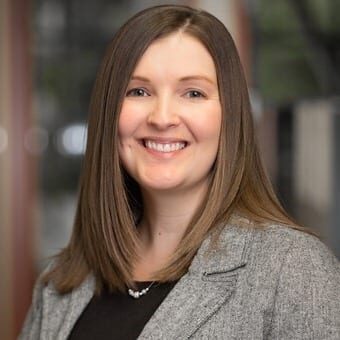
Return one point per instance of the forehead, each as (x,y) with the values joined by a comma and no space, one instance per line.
(178,53)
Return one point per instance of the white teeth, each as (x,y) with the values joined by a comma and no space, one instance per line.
(166,147)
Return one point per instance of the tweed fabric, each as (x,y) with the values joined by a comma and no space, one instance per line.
(271,283)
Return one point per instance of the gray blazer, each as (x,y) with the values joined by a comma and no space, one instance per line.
(275,283)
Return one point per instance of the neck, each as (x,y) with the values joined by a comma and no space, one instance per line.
(167,215)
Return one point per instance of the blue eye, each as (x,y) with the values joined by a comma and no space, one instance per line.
(195,94)
(137,92)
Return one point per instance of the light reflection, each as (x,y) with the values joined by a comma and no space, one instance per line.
(71,140)
(51,16)
(256,104)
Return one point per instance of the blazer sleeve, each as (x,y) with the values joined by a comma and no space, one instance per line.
(307,299)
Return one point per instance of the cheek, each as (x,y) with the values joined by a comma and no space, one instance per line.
(125,125)
(129,120)
(207,125)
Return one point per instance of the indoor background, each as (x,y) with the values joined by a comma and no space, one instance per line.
(50,51)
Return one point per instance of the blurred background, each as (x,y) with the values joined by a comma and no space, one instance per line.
(50,51)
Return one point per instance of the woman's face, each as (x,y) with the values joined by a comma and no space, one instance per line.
(170,120)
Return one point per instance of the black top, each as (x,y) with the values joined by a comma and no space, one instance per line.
(118,315)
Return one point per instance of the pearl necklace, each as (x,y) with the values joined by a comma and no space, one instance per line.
(138,293)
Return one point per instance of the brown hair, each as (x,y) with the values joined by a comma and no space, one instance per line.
(104,238)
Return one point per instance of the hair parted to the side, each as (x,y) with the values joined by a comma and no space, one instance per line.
(104,238)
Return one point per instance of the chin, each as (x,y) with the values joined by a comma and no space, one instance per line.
(166,186)
(160,184)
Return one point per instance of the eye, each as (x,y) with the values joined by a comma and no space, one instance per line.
(195,94)
(137,92)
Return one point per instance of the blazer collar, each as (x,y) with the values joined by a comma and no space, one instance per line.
(230,252)
(209,283)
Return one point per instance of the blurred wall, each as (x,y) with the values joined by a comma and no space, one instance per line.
(6,322)
(316,160)
(17,167)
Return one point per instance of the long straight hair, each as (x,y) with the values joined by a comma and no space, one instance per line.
(104,238)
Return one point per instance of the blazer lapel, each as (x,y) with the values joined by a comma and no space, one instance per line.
(61,313)
(209,283)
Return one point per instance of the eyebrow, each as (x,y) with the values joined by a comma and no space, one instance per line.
(183,79)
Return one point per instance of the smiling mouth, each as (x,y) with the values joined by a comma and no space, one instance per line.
(164,147)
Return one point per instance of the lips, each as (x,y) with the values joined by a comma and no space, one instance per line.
(164,146)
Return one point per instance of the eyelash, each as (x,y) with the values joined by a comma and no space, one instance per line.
(201,94)
(133,92)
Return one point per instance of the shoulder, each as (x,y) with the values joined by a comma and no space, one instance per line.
(297,264)
(291,245)
(304,277)
(274,247)
(278,252)
(278,242)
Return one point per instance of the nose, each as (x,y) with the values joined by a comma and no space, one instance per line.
(163,114)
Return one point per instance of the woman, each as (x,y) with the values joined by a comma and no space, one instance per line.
(178,233)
